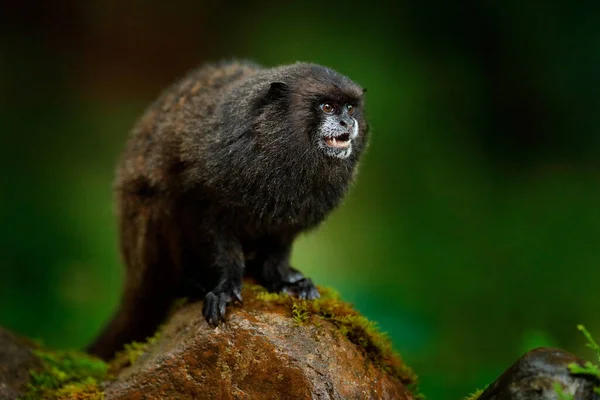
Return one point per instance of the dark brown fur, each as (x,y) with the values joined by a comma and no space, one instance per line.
(217,179)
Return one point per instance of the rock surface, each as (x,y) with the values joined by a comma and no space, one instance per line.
(534,375)
(272,347)
(262,352)
(16,359)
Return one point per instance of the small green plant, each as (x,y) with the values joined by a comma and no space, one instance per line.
(299,313)
(588,368)
(561,393)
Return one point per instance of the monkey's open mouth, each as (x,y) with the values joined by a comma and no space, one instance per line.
(339,142)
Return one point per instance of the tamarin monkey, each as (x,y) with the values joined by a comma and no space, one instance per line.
(219,177)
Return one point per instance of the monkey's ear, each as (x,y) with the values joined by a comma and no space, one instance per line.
(278,90)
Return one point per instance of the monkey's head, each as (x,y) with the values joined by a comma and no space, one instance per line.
(323,108)
(290,139)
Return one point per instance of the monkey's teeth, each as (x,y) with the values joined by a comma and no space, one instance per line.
(338,144)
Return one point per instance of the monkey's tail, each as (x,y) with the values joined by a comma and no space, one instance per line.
(141,312)
(150,286)
(136,320)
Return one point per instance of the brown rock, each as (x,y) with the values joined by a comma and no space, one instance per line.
(260,353)
(16,360)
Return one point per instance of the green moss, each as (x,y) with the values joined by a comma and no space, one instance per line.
(329,293)
(475,395)
(253,287)
(66,375)
(131,352)
(358,329)
(277,298)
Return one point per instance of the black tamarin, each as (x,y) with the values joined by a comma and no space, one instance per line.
(219,177)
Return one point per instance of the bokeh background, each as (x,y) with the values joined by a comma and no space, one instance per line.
(472,233)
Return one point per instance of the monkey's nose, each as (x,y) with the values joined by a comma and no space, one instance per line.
(347,122)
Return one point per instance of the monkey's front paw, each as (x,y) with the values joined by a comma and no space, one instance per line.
(303,289)
(215,304)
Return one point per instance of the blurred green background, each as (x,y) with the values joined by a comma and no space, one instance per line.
(472,233)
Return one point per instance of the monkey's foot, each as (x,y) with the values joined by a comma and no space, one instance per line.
(303,289)
(215,302)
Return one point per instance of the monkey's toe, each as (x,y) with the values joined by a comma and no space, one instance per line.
(215,304)
(304,289)
(214,307)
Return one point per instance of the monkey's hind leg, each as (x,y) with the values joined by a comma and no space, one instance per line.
(224,255)
(272,269)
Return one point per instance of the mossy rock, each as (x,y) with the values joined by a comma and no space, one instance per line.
(357,328)
(274,346)
(28,371)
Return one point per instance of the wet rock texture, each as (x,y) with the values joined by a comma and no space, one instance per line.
(16,360)
(533,377)
(260,353)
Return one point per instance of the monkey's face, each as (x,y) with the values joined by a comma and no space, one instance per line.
(338,128)
(323,111)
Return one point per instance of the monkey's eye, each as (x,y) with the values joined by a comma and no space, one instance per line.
(327,108)
(350,109)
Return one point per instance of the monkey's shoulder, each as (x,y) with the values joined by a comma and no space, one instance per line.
(210,78)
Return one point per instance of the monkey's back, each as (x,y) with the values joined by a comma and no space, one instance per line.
(150,177)
(147,186)
(157,144)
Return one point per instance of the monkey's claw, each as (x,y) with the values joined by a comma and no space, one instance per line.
(215,304)
(237,294)
(304,289)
